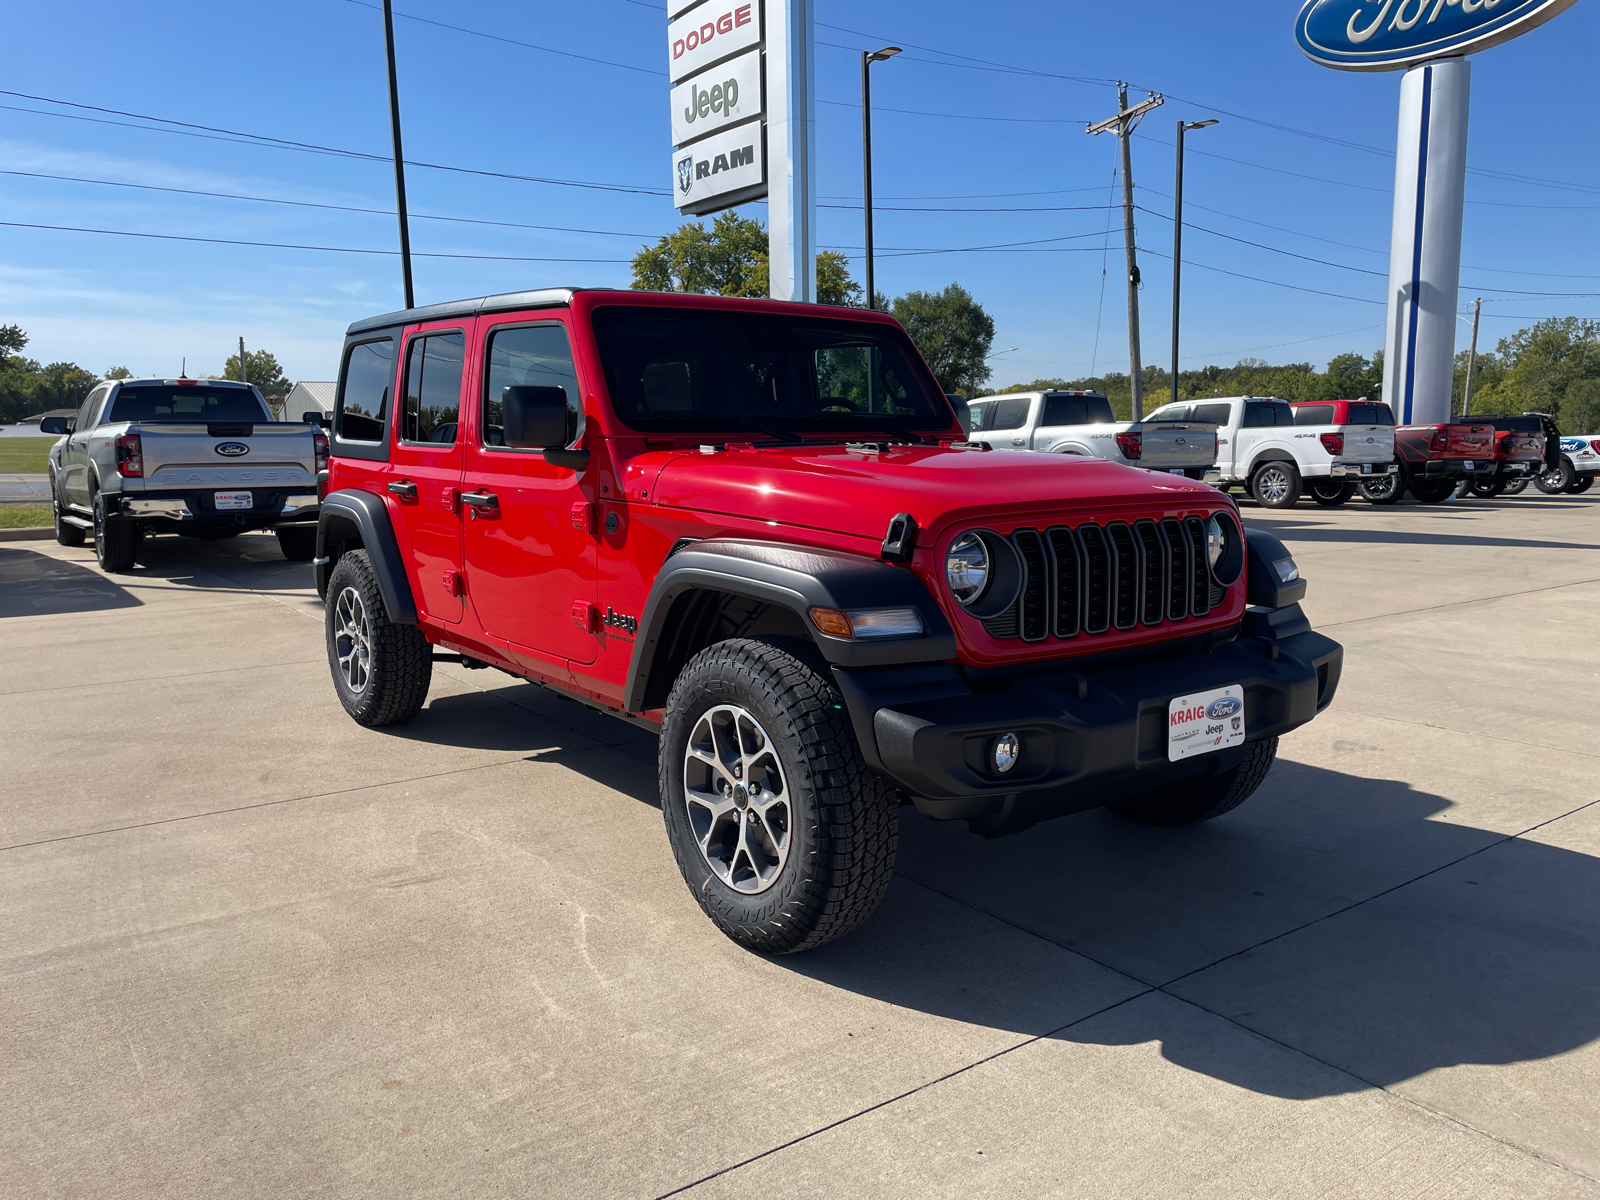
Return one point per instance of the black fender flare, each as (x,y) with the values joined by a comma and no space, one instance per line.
(796,578)
(351,514)
(1263,587)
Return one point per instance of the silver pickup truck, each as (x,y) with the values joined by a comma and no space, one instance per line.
(1082,423)
(200,457)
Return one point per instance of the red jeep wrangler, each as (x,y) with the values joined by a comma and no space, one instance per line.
(754,527)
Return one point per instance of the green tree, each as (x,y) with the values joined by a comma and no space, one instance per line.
(264,372)
(1547,368)
(954,334)
(730,259)
(63,385)
(18,375)
(119,373)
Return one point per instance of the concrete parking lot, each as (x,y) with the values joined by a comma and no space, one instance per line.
(251,949)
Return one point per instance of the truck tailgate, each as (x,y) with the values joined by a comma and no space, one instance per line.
(1170,444)
(1469,441)
(1521,447)
(186,456)
(1368,443)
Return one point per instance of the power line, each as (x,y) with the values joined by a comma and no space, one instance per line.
(175,237)
(1189,262)
(387,212)
(917,112)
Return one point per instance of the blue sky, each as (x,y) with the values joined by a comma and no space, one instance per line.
(955,137)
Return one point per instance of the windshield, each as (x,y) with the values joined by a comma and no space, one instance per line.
(675,369)
(185,403)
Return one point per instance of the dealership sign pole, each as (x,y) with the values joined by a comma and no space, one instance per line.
(742,77)
(1427,39)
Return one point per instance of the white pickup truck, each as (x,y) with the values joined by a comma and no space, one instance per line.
(1274,450)
(201,457)
(1082,423)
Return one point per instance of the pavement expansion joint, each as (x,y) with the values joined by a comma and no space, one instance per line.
(1479,736)
(1406,612)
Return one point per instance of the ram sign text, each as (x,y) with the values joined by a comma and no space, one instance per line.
(725,163)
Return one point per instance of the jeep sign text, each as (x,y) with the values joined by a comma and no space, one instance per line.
(715,99)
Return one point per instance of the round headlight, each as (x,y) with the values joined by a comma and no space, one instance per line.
(1216,542)
(966,568)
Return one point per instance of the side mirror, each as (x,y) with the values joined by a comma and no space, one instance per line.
(316,417)
(536,418)
(57,425)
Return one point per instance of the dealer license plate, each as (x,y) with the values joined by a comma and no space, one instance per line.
(232,501)
(1205,722)
(1470,466)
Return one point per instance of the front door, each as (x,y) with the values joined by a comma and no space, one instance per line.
(530,551)
(75,454)
(424,477)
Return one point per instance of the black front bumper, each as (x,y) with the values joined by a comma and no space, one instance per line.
(1088,738)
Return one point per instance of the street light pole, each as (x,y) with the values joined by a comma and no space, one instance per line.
(399,155)
(867,60)
(1177,244)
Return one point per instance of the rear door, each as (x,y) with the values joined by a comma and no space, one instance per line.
(424,476)
(531,549)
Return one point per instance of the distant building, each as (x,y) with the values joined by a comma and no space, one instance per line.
(54,412)
(315,396)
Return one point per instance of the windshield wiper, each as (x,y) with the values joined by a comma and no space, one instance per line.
(826,418)
(781,435)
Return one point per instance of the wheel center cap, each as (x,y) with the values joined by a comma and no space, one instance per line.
(740,796)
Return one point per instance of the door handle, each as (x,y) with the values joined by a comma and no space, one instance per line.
(406,491)
(483,500)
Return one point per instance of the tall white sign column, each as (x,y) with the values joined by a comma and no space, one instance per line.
(1425,247)
(791,150)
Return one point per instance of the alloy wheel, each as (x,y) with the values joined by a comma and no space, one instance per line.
(1272,485)
(352,634)
(737,799)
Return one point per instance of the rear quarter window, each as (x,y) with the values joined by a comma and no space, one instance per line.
(1076,410)
(361,409)
(1370,414)
(1212,414)
(1315,414)
(1266,414)
(1011,413)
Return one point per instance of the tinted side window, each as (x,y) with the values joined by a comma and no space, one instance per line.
(1010,413)
(1371,414)
(540,356)
(1314,414)
(363,403)
(1265,415)
(1215,414)
(1170,412)
(90,403)
(433,387)
(1065,410)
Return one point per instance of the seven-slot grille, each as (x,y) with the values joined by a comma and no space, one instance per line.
(1092,578)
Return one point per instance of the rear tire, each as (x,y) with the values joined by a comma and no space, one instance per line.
(66,535)
(1556,480)
(1489,490)
(1516,487)
(1431,491)
(1276,484)
(1331,493)
(116,540)
(381,670)
(1205,800)
(1384,489)
(813,859)
(298,542)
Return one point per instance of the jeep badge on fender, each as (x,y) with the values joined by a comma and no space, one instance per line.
(821,627)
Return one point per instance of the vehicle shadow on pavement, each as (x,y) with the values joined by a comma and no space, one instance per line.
(36,585)
(1258,919)
(250,562)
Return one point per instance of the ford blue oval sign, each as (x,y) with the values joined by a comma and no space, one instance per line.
(231,449)
(1386,35)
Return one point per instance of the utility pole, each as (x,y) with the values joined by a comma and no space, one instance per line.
(1126,120)
(1472,357)
(1177,244)
(399,155)
(867,60)
(244,371)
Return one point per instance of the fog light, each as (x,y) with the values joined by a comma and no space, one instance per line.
(1007,749)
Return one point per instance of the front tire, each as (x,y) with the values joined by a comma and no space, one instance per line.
(1276,484)
(1580,485)
(1384,489)
(116,540)
(1331,493)
(66,535)
(784,837)
(1556,480)
(298,542)
(381,670)
(1205,800)
(1431,491)
(1515,487)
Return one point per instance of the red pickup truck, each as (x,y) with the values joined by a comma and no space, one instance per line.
(1433,460)
(756,529)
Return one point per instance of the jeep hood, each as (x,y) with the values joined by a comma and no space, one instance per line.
(858,492)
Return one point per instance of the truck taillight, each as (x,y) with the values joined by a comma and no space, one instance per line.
(1129,444)
(1438,441)
(1333,443)
(1594,444)
(319,441)
(130,457)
